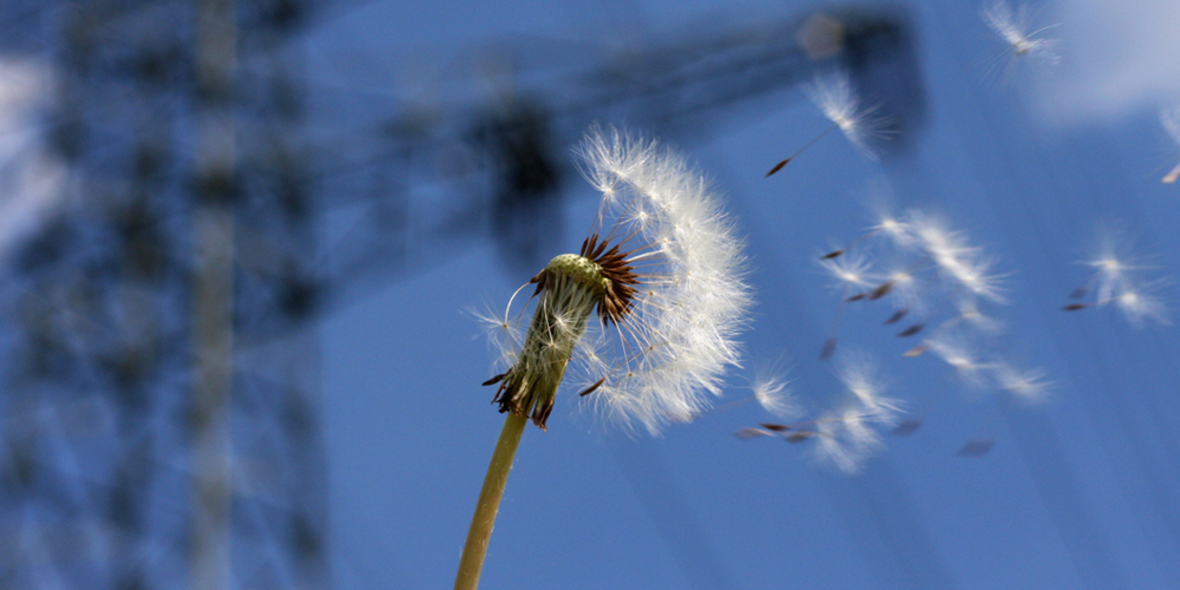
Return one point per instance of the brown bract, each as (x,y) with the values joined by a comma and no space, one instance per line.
(619,295)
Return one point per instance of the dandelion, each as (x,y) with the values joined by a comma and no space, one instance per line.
(662,269)
(1170,119)
(1013,27)
(860,124)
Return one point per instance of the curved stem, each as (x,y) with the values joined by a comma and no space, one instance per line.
(476,548)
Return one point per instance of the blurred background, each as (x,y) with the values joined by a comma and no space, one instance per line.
(241,241)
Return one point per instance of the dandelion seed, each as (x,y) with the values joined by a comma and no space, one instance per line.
(898,231)
(1116,279)
(969,313)
(845,439)
(828,348)
(749,433)
(663,270)
(1028,386)
(768,387)
(798,436)
(910,331)
(861,376)
(906,427)
(894,229)
(1139,305)
(959,263)
(773,394)
(976,447)
(1013,27)
(834,96)
(845,436)
(956,352)
(850,272)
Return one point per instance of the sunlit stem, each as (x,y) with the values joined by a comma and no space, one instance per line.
(484,520)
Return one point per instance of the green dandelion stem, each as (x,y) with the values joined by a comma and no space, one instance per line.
(480,533)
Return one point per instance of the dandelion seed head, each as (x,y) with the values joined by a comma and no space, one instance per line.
(665,271)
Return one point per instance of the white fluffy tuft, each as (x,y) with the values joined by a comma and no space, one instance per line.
(670,352)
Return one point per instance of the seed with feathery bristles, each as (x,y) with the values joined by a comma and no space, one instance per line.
(845,435)
(1117,280)
(834,96)
(1022,42)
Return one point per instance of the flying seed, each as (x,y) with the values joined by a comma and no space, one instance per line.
(779,166)
(591,389)
(976,447)
(906,427)
(828,349)
(799,436)
(910,331)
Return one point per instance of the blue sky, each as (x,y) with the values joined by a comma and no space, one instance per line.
(1078,492)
